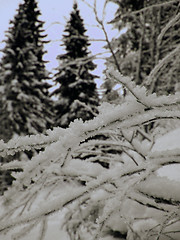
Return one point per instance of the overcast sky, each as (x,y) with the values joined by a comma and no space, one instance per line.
(55,13)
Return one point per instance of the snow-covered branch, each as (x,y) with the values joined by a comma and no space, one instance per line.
(23,143)
(68,174)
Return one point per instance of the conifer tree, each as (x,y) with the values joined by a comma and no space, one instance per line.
(24,101)
(77,94)
(25,105)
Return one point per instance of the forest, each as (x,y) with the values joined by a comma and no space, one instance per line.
(79,162)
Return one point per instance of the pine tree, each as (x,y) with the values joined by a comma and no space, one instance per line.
(77,94)
(25,103)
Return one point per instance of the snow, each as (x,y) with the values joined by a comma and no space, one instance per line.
(84,169)
(161,187)
(30,142)
(143,176)
(98,195)
(169,141)
(54,230)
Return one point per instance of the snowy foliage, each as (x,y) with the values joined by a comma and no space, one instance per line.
(130,199)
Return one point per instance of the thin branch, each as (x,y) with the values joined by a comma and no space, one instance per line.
(135,149)
(79,37)
(122,80)
(106,37)
(156,71)
(170,24)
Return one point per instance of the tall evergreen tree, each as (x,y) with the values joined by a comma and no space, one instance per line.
(25,103)
(77,94)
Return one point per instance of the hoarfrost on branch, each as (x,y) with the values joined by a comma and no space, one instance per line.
(131,192)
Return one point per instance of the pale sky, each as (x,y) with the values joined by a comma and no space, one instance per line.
(55,14)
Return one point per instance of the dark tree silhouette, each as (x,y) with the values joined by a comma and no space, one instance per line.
(77,94)
(25,105)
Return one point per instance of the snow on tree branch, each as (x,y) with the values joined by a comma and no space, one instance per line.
(28,143)
(60,178)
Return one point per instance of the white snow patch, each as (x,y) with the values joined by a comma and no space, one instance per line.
(169,141)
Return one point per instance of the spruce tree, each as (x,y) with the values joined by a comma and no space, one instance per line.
(77,94)
(24,101)
(25,105)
